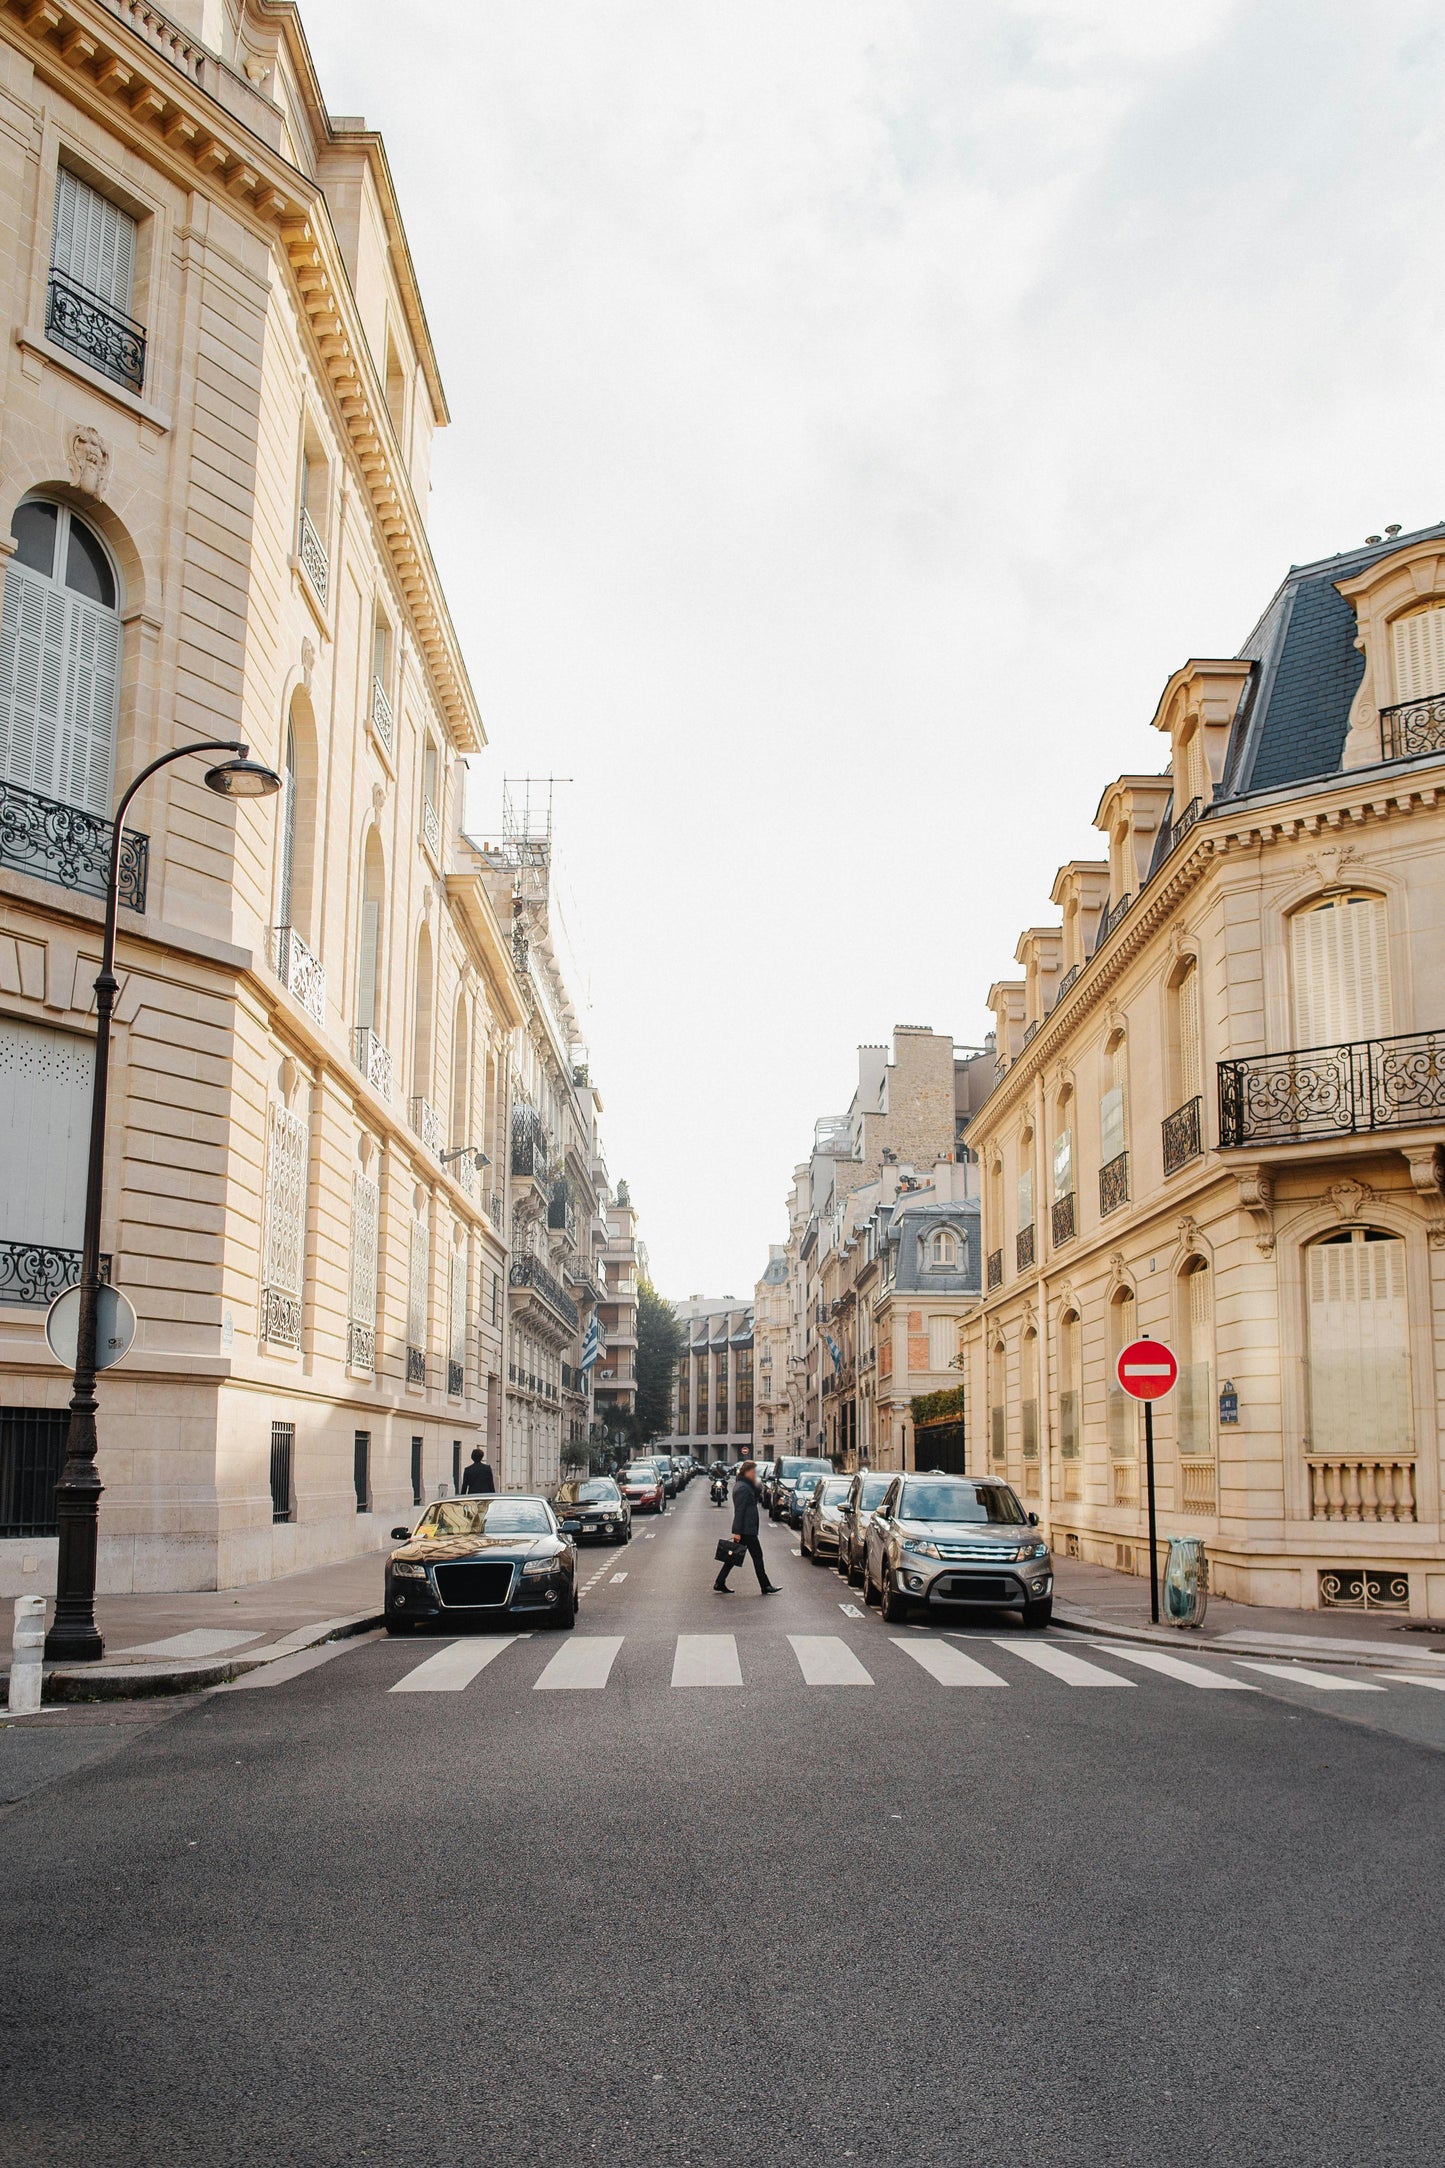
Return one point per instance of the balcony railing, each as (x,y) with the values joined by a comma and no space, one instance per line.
(1333,1091)
(381,712)
(280,1317)
(1031,1032)
(1111,919)
(530,1272)
(426,1122)
(59,843)
(1064,1228)
(36,1272)
(373,1060)
(1413,727)
(416,1366)
(1179,829)
(995,1269)
(1066,982)
(431,827)
(1024,1248)
(361,1346)
(302,974)
(1183,1135)
(530,1153)
(456,1379)
(83,324)
(1113,1184)
(312,551)
(1364,1489)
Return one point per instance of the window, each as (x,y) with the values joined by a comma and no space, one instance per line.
(92,273)
(422,1018)
(361,1306)
(457,1334)
(1359,1374)
(32,1455)
(60,644)
(1184,1037)
(1417,654)
(46,1083)
(431,819)
(417,1490)
(283,1255)
(943,1250)
(1194,1404)
(369,952)
(283,1453)
(1063,1164)
(1111,1102)
(942,1342)
(1339,955)
(1070,1384)
(461,1080)
(1192,781)
(311,523)
(288,829)
(1123,1408)
(1025,1191)
(361,1469)
(418,1301)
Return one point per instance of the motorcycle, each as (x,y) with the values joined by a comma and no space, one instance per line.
(719,1490)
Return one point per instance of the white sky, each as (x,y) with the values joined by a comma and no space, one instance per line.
(860,407)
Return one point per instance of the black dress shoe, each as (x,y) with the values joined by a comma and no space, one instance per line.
(719,1590)
(773,1588)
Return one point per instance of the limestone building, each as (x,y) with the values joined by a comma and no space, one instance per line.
(714,1409)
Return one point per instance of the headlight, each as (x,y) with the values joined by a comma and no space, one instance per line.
(405,1571)
(537,1566)
(919,1549)
(1040,1550)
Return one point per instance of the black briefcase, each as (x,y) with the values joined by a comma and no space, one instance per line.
(729,1553)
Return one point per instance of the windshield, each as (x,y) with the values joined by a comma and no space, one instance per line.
(793,1471)
(835,1488)
(486,1516)
(642,1472)
(870,1491)
(960,1502)
(596,1493)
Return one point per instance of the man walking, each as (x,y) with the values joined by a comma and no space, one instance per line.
(477,1478)
(745,1530)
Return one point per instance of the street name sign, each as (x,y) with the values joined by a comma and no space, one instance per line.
(1147,1369)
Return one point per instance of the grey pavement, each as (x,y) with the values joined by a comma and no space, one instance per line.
(971,1904)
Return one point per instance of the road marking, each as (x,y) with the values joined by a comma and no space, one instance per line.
(583,1663)
(616,1578)
(1323,1682)
(1413,1678)
(649,1535)
(1063,1664)
(850,1610)
(706,1660)
(290,1667)
(824,1660)
(453,1667)
(200,1641)
(948,1665)
(1173,1668)
(795,1554)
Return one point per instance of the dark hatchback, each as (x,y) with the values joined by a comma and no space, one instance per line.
(471,1559)
(596,1504)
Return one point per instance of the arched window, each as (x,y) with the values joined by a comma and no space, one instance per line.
(1194,1406)
(1070,1385)
(370,959)
(1113,1111)
(288,829)
(943,1250)
(1184,1053)
(60,644)
(422,1019)
(1340,960)
(461,1128)
(1359,1360)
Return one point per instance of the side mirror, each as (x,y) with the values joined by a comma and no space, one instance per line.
(1033,1520)
(401,1535)
(571,1528)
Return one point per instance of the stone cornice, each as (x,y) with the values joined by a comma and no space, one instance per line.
(152,95)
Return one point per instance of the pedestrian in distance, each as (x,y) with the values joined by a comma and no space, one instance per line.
(478,1477)
(745,1532)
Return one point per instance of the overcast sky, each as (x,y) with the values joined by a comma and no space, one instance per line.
(860,407)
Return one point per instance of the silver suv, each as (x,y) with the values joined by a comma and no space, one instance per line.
(946,1542)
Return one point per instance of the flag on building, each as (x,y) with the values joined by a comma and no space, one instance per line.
(591,1346)
(834,1350)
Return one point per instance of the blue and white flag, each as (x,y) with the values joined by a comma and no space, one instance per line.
(834,1350)
(591,1346)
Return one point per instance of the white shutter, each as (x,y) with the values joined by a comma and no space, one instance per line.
(32,679)
(418,1302)
(285,1243)
(46,1082)
(1026,1198)
(1359,1349)
(365,1219)
(1194,1401)
(1111,1124)
(93,241)
(942,1342)
(92,692)
(366,988)
(1188,1020)
(1417,645)
(1063,1163)
(1341,970)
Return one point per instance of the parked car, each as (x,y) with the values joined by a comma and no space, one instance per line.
(682,1468)
(643,1487)
(951,1542)
(787,1474)
(469,1559)
(821,1518)
(598,1506)
(864,1495)
(765,1478)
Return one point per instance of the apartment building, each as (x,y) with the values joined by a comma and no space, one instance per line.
(615,1381)
(771,1342)
(714,1407)
(1219,1113)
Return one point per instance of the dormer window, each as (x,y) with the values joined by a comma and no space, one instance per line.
(943,1250)
(92,273)
(1417,654)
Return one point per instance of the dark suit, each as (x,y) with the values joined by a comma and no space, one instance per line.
(477,1477)
(745,1531)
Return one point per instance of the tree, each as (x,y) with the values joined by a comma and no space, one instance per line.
(659,1343)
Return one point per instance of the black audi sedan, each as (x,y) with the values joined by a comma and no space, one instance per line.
(471,1559)
(596,1504)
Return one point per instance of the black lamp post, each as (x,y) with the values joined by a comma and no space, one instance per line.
(73,1636)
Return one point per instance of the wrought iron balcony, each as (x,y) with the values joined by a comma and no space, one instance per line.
(995,1269)
(280,1317)
(456,1380)
(1066,982)
(1031,1031)
(431,827)
(426,1122)
(495,1207)
(530,1272)
(1111,919)
(1064,1228)
(1333,1091)
(381,712)
(1179,829)
(1413,727)
(416,1366)
(361,1346)
(1024,1249)
(34,1273)
(1183,1135)
(302,974)
(60,843)
(1114,1184)
(82,324)
(372,1059)
(531,1155)
(312,551)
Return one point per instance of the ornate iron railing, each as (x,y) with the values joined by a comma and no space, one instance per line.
(60,843)
(381,712)
(1024,1248)
(416,1366)
(36,1272)
(312,551)
(373,1060)
(301,973)
(83,324)
(456,1379)
(1030,1031)
(1413,727)
(1111,919)
(1183,1135)
(1333,1091)
(995,1269)
(280,1317)
(530,1153)
(1179,829)
(1114,1184)
(431,827)
(530,1272)
(426,1122)
(495,1207)
(1066,982)
(361,1346)
(1064,1228)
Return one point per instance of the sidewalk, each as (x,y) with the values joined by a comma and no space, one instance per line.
(1096,1600)
(176,1644)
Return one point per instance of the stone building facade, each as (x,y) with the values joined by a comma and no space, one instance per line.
(714,1400)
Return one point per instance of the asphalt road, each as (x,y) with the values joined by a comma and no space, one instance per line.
(823,1905)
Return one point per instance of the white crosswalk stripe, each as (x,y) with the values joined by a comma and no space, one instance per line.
(706,1660)
(1063,1664)
(1414,1678)
(1323,1682)
(582,1662)
(827,1660)
(1172,1667)
(948,1665)
(453,1667)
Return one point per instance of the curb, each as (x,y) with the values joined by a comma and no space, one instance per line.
(1267,1646)
(118,1681)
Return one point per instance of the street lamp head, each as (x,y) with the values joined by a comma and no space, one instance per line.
(243,778)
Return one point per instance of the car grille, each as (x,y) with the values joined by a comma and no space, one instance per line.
(473,1586)
(979,1588)
(986,1554)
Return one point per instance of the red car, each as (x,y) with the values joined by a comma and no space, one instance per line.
(643,1487)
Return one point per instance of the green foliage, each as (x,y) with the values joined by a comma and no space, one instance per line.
(659,1343)
(944,1407)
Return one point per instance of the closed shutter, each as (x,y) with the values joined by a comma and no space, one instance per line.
(1111,1108)
(1194,1400)
(33,640)
(1339,954)
(365,1217)
(1026,1199)
(942,1342)
(93,242)
(366,988)
(1188,1019)
(1417,646)
(1063,1163)
(1359,1349)
(87,723)
(418,1301)
(996,1433)
(47,1080)
(285,1245)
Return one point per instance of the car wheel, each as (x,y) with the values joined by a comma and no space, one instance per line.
(565,1615)
(870,1593)
(1038,1614)
(816,1555)
(896,1607)
(856,1575)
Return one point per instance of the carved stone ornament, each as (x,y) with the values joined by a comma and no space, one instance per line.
(1030,1319)
(308,662)
(289,1075)
(378,798)
(1427,1173)
(1347,1197)
(1256,1195)
(88,457)
(426,899)
(1328,864)
(1068,1300)
(1188,1231)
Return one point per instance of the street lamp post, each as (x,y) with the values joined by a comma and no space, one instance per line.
(73,1636)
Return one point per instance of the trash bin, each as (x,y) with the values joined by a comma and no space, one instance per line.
(1186,1581)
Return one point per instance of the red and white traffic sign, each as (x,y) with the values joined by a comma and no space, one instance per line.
(1147,1369)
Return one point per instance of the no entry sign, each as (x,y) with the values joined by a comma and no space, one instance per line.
(1147,1369)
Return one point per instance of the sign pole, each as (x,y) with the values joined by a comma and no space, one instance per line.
(1153,1525)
